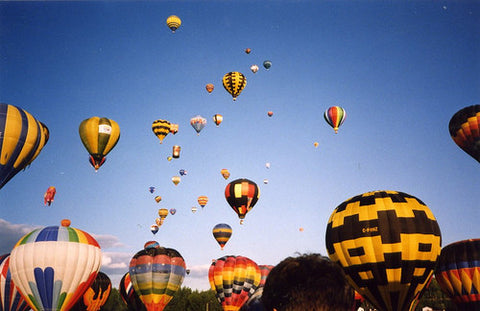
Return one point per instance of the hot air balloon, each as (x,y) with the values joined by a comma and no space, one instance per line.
(233,279)
(151,244)
(222,233)
(151,189)
(176,180)
(194,209)
(154,228)
(209,87)
(176,151)
(49,195)
(234,82)
(265,181)
(242,195)
(99,136)
(45,281)
(22,137)
(169,158)
(225,173)
(156,274)
(163,213)
(315,144)
(10,298)
(268,165)
(267,64)
(248,50)
(96,295)
(182,172)
(173,128)
(161,128)
(464,128)
(270,113)
(129,297)
(264,270)
(217,119)
(173,22)
(335,116)
(254,68)
(387,242)
(457,273)
(202,200)
(198,123)
(158,199)
(173,211)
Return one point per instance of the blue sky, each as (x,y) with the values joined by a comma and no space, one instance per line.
(400,69)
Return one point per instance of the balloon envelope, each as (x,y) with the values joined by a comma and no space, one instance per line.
(335,116)
(242,195)
(222,233)
(161,128)
(10,298)
(267,64)
(128,294)
(209,87)
(96,295)
(234,82)
(202,200)
(198,123)
(22,137)
(173,22)
(387,242)
(464,128)
(225,173)
(49,195)
(46,282)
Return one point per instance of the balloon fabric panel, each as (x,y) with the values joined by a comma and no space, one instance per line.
(464,130)
(10,298)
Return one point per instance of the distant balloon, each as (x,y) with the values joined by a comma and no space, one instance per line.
(173,211)
(335,116)
(248,50)
(222,233)
(154,228)
(46,282)
(300,229)
(267,64)
(26,137)
(161,128)
(198,123)
(176,151)
(128,295)
(209,87)
(315,144)
(457,273)
(387,242)
(194,209)
(176,180)
(233,272)
(158,199)
(270,113)
(265,181)
(156,274)
(151,244)
(163,213)
(173,22)
(49,195)
(267,165)
(217,119)
(151,189)
(202,200)
(169,158)
(99,136)
(234,82)
(242,195)
(254,68)
(10,297)
(96,295)
(173,128)
(225,173)
(182,172)
(464,128)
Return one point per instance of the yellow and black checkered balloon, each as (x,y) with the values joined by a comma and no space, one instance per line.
(387,243)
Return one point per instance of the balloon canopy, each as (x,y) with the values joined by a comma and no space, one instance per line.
(242,195)
(335,116)
(464,128)
(234,82)
(173,22)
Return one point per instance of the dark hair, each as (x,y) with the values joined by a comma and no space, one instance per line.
(307,282)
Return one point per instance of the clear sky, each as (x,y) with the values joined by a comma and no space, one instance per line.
(400,69)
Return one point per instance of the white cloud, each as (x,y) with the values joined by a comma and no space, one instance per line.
(107,241)
(11,233)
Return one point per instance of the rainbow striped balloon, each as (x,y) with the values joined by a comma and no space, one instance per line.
(335,116)
(53,266)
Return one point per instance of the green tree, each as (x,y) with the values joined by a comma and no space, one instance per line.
(114,302)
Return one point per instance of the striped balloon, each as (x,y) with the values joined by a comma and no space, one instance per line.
(202,200)
(53,266)
(96,295)
(128,295)
(222,233)
(335,116)
(464,128)
(234,279)
(161,128)
(156,274)
(242,195)
(22,138)
(234,82)
(458,273)
(265,270)
(10,298)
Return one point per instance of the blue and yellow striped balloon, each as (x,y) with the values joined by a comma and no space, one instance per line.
(222,233)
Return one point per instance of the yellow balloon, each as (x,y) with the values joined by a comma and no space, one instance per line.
(173,22)
(234,82)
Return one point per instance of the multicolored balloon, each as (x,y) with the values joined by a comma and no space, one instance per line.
(264,270)
(198,123)
(161,128)
(217,119)
(233,279)
(151,189)
(46,282)
(182,172)
(173,211)
(222,233)
(458,273)
(176,180)
(202,200)
(464,128)
(387,242)
(154,228)
(254,68)
(22,137)
(156,274)
(158,199)
(242,195)
(209,87)
(225,173)
(10,298)
(99,136)
(128,294)
(173,128)
(234,82)
(49,195)
(173,22)
(335,116)
(248,50)
(96,295)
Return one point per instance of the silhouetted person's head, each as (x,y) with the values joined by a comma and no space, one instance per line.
(307,282)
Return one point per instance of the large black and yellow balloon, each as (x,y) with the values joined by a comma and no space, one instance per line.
(388,243)
(22,137)
(458,273)
(99,136)
(161,128)
(234,82)
(464,128)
